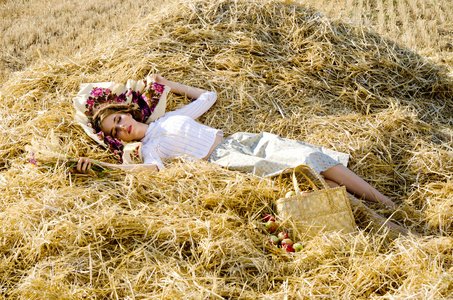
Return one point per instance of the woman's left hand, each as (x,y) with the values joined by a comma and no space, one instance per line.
(83,165)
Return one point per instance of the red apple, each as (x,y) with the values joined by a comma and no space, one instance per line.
(297,247)
(287,244)
(288,248)
(283,235)
(268,218)
(271,226)
(274,240)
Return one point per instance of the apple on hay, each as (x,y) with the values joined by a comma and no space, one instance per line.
(271,226)
(297,247)
(287,244)
(273,239)
(283,235)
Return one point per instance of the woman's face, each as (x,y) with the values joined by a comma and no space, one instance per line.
(123,127)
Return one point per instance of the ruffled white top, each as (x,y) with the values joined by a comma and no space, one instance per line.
(177,134)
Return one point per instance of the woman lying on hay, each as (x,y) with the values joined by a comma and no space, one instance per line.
(113,114)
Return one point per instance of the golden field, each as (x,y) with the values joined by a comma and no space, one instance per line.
(370,78)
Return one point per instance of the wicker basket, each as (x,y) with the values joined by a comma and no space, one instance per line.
(326,209)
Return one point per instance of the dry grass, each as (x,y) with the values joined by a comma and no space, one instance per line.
(194,231)
(422,25)
(31,30)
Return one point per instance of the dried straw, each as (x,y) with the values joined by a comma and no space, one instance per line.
(195,230)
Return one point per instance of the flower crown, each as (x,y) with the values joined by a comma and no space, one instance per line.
(148,96)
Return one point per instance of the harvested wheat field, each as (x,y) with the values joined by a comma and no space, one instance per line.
(195,230)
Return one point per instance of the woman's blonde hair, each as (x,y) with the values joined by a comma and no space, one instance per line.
(113,108)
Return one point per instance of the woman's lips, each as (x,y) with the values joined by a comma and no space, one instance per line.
(129,129)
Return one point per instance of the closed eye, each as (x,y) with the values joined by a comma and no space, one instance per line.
(117,121)
(113,131)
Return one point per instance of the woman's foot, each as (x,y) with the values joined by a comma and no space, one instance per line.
(385,223)
(378,220)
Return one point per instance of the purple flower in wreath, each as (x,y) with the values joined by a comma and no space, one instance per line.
(121,98)
(113,142)
(159,88)
(115,145)
(146,111)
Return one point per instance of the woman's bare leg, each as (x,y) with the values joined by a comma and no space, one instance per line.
(372,215)
(355,185)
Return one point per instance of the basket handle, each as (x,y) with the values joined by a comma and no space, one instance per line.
(281,174)
(296,184)
(314,186)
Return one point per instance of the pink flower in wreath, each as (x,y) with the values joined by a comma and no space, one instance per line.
(100,135)
(90,103)
(97,92)
(158,87)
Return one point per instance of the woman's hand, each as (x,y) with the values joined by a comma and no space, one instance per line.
(157,78)
(178,88)
(83,165)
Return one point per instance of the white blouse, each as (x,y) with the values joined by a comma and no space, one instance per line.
(177,134)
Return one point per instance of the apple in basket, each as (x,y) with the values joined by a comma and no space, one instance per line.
(283,235)
(293,193)
(290,194)
(273,239)
(287,244)
(271,226)
(268,218)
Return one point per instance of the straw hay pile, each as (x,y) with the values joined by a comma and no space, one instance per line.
(195,231)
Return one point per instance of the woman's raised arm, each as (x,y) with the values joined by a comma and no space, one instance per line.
(179,88)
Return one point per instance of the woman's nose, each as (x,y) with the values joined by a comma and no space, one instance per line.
(121,126)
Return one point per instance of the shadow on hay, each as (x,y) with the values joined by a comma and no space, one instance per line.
(284,55)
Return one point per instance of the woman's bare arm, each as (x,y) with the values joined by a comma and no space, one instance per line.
(179,88)
(84,164)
